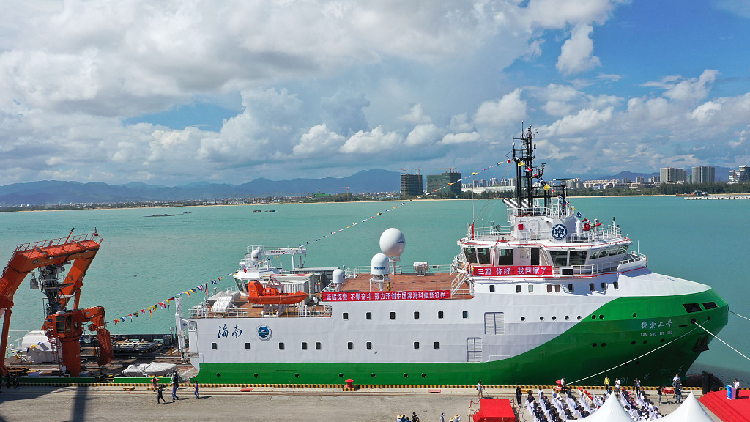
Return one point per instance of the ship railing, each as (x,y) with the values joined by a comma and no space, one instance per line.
(314,311)
(555,211)
(199,311)
(57,242)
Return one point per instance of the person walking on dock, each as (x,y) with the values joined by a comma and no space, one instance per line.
(197,396)
(160,395)
(175,385)
(479,389)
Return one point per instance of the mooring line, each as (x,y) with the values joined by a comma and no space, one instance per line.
(633,359)
(727,344)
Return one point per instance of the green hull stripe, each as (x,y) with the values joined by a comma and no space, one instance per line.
(610,336)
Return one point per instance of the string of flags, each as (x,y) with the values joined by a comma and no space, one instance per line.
(354,224)
(165,303)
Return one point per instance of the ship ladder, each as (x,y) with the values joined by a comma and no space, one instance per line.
(457,285)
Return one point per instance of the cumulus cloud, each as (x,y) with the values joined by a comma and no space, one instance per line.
(416,116)
(576,55)
(584,120)
(373,141)
(318,141)
(508,109)
(460,138)
(423,135)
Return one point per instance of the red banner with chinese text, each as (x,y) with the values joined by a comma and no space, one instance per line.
(510,270)
(368,296)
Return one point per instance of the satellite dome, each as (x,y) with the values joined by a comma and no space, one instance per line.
(379,264)
(338,276)
(392,242)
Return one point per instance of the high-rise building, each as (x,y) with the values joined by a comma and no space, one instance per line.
(412,184)
(673,175)
(742,175)
(704,174)
(446,182)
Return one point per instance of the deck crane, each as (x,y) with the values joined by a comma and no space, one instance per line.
(60,324)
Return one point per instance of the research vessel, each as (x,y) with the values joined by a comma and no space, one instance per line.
(550,295)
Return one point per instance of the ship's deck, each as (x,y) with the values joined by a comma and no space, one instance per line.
(401,283)
(359,284)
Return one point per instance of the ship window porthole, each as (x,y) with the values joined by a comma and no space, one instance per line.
(406,375)
(465,314)
(304,345)
(570,287)
(214,346)
(632,342)
(346,315)
(518,288)
(416,345)
(567,317)
(541,318)
(601,316)
(436,345)
(372,375)
(523,318)
(247,346)
(296,375)
(350,345)
(393,315)
(369,345)
(368,315)
(440,314)
(416,314)
(318,346)
(341,375)
(492,288)
(578,317)
(594,344)
(634,314)
(554,318)
(281,346)
(591,286)
(424,375)
(531,288)
(256,375)
(617,285)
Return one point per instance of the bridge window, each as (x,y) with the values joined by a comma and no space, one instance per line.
(304,345)
(559,258)
(577,257)
(505,257)
(692,307)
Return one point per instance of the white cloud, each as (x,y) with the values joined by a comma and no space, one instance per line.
(423,135)
(576,55)
(416,116)
(584,120)
(460,138)
(318,140)
(376,140)
(705,111)
(508,109)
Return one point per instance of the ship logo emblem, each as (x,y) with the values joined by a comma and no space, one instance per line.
(264,333)
(559,231)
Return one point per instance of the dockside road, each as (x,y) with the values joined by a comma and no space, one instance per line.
(118,403)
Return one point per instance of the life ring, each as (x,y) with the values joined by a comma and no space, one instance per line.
(586,226)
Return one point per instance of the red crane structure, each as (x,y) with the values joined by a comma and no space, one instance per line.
(60,324)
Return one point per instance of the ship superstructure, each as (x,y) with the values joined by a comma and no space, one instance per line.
(551,295)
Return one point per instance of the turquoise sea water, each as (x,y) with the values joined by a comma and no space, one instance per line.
(144,261)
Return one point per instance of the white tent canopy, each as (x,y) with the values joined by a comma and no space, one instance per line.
(611,411)
(689,411)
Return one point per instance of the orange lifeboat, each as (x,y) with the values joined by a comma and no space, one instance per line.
(271,295)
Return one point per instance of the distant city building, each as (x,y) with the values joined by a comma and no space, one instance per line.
(742,175)
(412,184)
(704,174)
(673,175)
(640,179)
(446,182)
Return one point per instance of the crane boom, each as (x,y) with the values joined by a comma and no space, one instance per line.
(50,256)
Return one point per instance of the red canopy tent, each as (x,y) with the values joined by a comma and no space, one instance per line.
(495,410)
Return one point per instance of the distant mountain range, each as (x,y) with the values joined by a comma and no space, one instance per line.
(366,181)
(57,192)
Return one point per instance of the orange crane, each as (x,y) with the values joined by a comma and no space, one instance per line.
(67,326)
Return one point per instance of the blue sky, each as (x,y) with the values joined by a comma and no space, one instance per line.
(173,92)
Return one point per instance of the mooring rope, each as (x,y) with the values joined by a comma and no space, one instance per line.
(740,315)
(633,359)
(727,344)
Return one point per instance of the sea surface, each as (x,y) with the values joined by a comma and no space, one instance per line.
(146,260)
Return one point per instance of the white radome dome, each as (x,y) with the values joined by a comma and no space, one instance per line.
(379,264)
(392,242)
